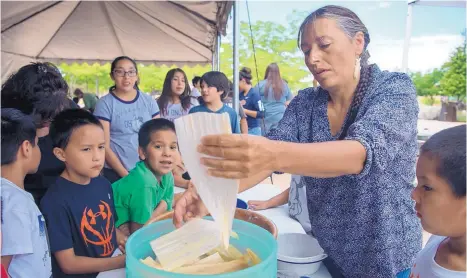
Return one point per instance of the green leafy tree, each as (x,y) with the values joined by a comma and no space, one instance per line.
(273,43)
(453,82)
(427,85)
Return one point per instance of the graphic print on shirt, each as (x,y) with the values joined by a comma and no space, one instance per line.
(97,228)
(294,200)
(43,233)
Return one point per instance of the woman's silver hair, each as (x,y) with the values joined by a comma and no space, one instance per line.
(347,20)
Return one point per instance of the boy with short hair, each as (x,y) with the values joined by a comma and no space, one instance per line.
(79,207)
(25,251)
(441,204)
(147,191)
(215,87)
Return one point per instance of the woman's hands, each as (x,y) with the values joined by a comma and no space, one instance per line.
(238,156)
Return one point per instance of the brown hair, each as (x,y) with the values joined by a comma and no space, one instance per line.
(274,81)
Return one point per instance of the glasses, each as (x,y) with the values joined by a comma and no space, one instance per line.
(122,73)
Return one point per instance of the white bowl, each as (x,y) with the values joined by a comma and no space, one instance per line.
(299,253)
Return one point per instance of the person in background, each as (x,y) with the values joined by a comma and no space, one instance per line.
(196,90)
(90,100)
(275,96)
(441,206)
(122,112)
(24,248)
(251,101)
(241,112)
(215,87)
(79,206)
(148,190)
(175,100)
(39,90)
(353,139)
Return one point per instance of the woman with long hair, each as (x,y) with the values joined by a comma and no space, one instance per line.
(176,100)
(275,95)
(122,112)
(353,140)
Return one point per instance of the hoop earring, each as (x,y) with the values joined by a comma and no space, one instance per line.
(357,68)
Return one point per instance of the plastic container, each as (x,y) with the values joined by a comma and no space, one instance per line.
(250,236)
(299,253)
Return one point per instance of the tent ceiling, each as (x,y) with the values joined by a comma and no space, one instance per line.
(160,32)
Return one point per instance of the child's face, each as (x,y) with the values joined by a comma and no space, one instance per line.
(210,94)
(162,152)
(35,158)
(178,83)
(85,152)
(440,211)
(125,75)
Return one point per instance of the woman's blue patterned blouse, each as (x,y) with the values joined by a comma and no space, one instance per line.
(366,222)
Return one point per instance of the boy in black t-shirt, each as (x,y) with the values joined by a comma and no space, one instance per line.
(79,207)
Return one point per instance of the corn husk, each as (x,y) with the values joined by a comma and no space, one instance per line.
(219,195)
(185,245)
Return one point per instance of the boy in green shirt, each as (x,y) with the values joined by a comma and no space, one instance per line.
(147,191)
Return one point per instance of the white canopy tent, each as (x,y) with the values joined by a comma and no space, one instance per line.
(408,31)
(151,32)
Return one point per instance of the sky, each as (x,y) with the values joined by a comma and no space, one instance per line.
(436,30)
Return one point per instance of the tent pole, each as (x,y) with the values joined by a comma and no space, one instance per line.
(236,35)
(408,33)
(218,52)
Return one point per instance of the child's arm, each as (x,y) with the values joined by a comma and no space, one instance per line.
(160,209)
(275,201)
(180,181)
(134,227)
(125,228)
(72,264)
(243,126)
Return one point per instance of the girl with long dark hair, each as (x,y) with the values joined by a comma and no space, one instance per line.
(175,100)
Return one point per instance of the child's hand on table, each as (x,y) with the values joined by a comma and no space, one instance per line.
(259,205)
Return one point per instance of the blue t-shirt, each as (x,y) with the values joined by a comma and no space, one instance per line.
(253,103)
(81,217)
(273,109)
(125,118)
(234,121)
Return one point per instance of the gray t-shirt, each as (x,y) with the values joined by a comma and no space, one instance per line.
(298,208)
(24,233)
(125,118)
(175,110)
